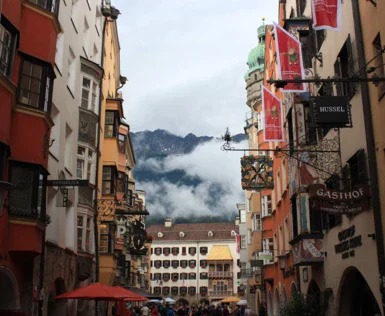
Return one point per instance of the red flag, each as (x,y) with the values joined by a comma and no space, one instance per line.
(272,117)
(326,14)
(238,240)
(289,56)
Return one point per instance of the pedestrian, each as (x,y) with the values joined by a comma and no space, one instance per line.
(262,310)
(145,310)
(154,311)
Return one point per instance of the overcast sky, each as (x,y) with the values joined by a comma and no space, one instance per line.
(185,61)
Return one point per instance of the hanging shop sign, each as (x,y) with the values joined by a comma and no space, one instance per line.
(326,14)
(348,242)
(339,202)
(289,57)
(257,173)
(266,255)
(306,251)
(272,117)
(331,111)
(67,183)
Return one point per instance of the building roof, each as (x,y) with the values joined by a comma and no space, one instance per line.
(220,231)
(220,253)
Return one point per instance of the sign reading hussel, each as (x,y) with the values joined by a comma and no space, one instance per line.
(289,56)
(326,14)
(272,117)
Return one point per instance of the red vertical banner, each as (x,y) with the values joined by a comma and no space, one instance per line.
(238,240)
(289,57)
(272,117)
(326,14)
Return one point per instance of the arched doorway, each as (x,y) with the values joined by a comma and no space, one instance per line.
(284,296)
(269,304)
(355,295)
(57,307)
(314,291)
(9,291)
(293,288)
(276,305)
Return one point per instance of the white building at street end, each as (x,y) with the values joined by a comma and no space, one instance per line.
(194,262)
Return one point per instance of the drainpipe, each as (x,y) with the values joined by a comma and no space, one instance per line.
(96,228)
(371,151)
(42,256)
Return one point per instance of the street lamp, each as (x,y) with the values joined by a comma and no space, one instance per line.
(4,186)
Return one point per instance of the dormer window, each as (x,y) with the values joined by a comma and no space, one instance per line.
(233,233)
(181,234)
(210,234)
(160,235)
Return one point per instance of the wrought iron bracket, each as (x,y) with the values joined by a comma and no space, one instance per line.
(47,143)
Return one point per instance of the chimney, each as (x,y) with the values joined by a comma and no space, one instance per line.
(168,222)
(237,221)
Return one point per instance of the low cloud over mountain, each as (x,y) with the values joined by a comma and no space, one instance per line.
(187,177)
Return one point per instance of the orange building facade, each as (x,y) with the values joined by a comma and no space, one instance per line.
(28,34)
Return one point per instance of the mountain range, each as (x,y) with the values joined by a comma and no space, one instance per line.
(158,168)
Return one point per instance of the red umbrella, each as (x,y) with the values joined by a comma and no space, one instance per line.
(131,296)
(95,291)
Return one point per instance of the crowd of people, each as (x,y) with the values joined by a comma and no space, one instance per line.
(194,310)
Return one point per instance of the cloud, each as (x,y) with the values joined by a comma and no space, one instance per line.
(185,61)
(216,195)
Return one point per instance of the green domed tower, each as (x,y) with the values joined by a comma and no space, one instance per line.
(256,59)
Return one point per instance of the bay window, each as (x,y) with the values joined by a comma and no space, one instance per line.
(49,5)
(85,161)
(111,124)
(8,40)
(121,182)
(122,143)
(84,233)
(89,94)
(107,238)
(268,248)
(109,180)
(35,83)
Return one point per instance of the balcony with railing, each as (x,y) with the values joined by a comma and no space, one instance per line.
(226,293)
(220,274)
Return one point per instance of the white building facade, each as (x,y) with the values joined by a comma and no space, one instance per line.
(194,263)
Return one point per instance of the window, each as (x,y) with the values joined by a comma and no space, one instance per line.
(266,205)
(49,5)
(343,68)
(157,290)
(192,264)
(166,264)
(311,134)
(175,251)
(183,290)
(8,39)
(242,216)
(158,264)
(83,165)
(111,124)
(249,236)
(192,276)
(192,251)
(192,290)
(174,290)
(183,276)
(166,290)
(121,183)
(203,251)
(307,39)
(84,233)
(294,217)
(183,263)
(174,276)
(36,83)
(166,277)
(89,94)
(71,79)
(354,172)
(379,64)
(203,290)
(109,180)
(204,276)
(122,143)
(107,238)
(4,151)
(286,233)
(157,276)
(183,251)
(175,264)
(203,264)
(243,242)
(166,251)
(268,247)
(256,223)
(158,251)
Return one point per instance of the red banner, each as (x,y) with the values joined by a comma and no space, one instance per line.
(272,117)
(326,14)
(289,56)
(238,240)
